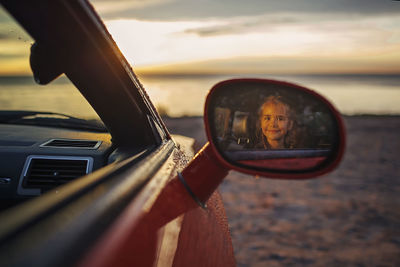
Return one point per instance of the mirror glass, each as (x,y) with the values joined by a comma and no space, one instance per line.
(270,125)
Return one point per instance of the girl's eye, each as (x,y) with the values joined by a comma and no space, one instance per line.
(267,118)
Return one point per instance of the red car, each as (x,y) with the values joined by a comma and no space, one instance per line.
(127,193)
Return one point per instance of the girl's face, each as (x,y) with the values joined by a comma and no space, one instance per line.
(275,123)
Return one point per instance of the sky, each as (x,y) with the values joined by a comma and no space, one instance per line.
(233,36)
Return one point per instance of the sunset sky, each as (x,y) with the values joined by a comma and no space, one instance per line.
(258,36)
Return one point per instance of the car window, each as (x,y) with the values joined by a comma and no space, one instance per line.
(18,90)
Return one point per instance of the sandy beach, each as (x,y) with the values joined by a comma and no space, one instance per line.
(350,217)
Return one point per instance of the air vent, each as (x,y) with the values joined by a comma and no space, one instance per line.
(70,143)
(45,173)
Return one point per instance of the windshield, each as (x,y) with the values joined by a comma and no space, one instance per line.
(19,92)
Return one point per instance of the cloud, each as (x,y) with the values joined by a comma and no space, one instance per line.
(175,10)
(329,24)
(178,42)
(280,65)
(242,25)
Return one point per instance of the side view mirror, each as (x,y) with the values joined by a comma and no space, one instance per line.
(261,127)
(273,129)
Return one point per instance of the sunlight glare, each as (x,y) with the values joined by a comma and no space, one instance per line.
(152,43)
(147,43)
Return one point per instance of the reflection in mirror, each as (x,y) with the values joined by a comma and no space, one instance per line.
(262,124)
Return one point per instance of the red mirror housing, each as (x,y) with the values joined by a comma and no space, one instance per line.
(234,126)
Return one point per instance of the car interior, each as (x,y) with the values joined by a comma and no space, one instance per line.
(42,146)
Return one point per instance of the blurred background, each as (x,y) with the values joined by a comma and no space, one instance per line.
(349,51)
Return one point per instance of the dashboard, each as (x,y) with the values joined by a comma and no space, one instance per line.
(35,159)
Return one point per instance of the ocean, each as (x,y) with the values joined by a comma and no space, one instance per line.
(184,95)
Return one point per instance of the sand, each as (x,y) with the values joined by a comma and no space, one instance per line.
(350,217)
